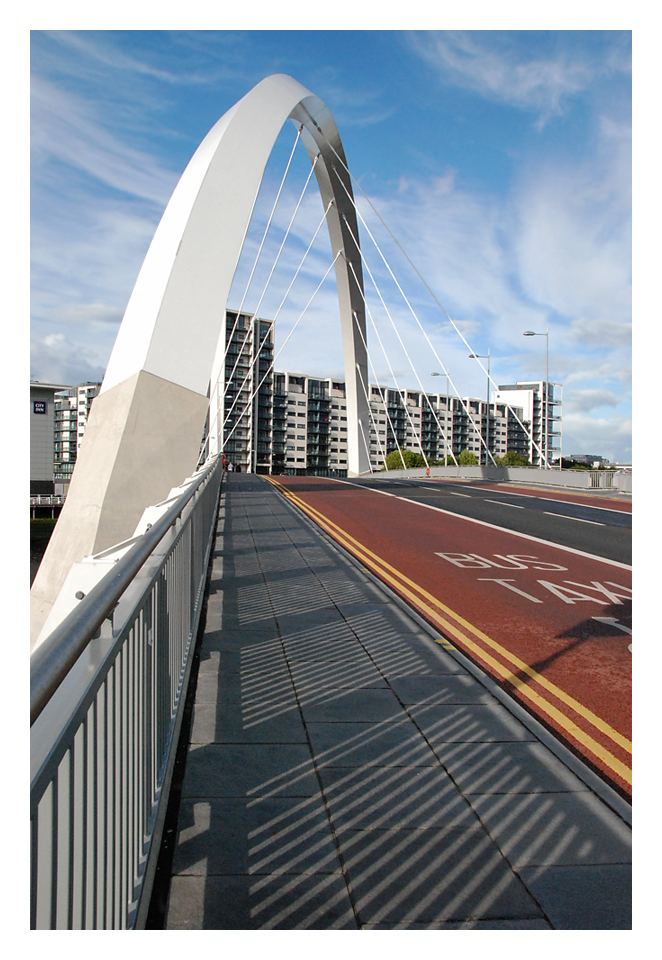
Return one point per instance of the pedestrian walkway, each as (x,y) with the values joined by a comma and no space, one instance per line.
(346,771)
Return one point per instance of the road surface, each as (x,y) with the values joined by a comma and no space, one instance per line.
(534,587)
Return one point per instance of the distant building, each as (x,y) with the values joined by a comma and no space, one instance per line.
(42,423)
(297,424)
(592,459)
(541,402)
(281,422)
(314,438)
(72,410)
(247,423)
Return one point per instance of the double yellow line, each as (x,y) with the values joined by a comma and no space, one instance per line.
(467,636)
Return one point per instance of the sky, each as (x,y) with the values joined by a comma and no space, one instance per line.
(500,161)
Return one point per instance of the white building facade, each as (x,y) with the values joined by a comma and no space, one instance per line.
(72,409)
(542,406)
(283,422)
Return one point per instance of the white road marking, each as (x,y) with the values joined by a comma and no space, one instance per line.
(504,504)
(492,526)
(565,516)
(614,623)
(509,584)
(576,503)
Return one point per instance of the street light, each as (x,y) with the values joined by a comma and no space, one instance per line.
(485,356)
(545,402)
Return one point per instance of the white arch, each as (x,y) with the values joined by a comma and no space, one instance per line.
(145,426)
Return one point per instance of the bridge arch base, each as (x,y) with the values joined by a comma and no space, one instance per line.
(144,431)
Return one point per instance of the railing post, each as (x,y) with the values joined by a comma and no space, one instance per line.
(107,723)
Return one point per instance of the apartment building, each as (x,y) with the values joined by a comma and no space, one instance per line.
(71,412)
(246,410)
(275,422)
(310,425)
(541,403)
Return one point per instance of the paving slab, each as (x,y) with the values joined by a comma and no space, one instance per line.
(370,798)
(507,768)
(454,688)
(346,772)
(271,721)
(596,897)
(276,902)
(447,873)
(468,723)
(266,835)
(249,770)
(564,829)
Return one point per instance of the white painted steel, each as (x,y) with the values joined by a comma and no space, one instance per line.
(174,323)
(102,749)
(146,425)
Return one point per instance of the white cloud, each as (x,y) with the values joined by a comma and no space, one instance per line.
(501,67)
(84,313)
(609,437)
(554,251)
(602,333)
(66,130)
(574,237)
(586,400)
(57,359)
(469,62)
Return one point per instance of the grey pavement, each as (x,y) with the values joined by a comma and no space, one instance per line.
(345,772)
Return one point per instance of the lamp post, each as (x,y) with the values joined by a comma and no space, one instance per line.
(485,356)
(544,398)
(445,415)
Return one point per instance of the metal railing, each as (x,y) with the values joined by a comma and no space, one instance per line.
(602,478)
(106,691)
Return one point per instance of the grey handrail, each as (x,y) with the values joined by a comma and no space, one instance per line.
(52,660)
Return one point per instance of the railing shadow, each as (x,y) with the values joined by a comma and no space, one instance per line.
(343,774)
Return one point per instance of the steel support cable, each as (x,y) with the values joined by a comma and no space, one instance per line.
(264,290)
(413,427)
(385,398)
(429,402)
(272,364)
(215,392)
(529,434)
(382,346)
(374,374)
(362,254)
(388,363)
(432,410)
(466,410)
(262,342)
(264,235)
(370,410)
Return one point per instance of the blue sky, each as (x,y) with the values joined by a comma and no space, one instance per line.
(500,160)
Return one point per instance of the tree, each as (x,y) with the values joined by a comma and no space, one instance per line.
(467,459)
(512,459)
(394,460)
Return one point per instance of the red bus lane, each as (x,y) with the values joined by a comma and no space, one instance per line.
(552,626)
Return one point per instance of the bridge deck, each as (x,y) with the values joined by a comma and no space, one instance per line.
(347,772)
